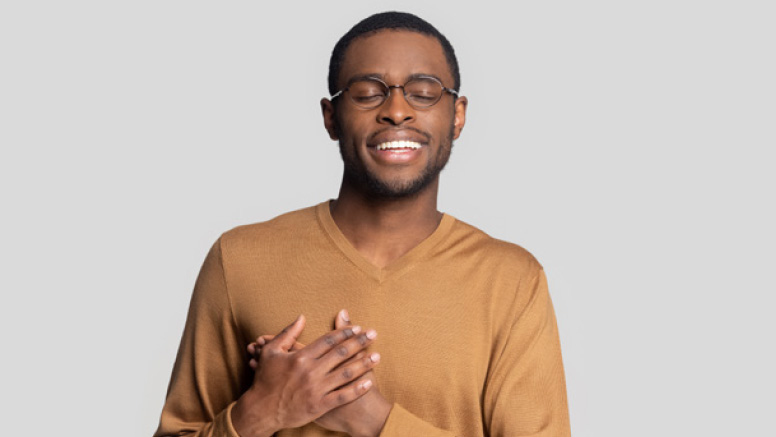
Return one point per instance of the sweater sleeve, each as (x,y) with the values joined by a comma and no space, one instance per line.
(209,372)
(525,394)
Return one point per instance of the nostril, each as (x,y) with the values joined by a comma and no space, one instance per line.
(396,110)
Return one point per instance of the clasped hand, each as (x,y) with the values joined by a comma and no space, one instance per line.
(295,384)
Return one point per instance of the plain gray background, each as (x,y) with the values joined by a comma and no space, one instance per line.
(628,145)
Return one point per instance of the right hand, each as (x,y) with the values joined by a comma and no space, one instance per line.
(293,387)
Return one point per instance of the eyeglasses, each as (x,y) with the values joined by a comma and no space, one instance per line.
(420,92)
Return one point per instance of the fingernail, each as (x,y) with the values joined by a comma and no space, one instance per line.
(356,329)
(371,334)
(345,316)
(366,384)
(375,357)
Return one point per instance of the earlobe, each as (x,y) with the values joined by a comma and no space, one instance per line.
(460,116)
(329,118)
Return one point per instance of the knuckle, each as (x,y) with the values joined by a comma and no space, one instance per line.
(329,340)
(342,351)
(362,340)
(328,403)
(299,361)
(341,399)
(310,406)
(347,374)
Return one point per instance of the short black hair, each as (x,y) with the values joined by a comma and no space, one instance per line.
(393,21)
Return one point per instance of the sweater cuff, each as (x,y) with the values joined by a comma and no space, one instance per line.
(222,423)
(402,423)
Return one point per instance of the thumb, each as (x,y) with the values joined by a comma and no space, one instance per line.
(287,338)
(342,320)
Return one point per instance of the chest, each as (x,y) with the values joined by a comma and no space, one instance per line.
(434,327)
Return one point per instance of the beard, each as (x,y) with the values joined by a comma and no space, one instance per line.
(359,176)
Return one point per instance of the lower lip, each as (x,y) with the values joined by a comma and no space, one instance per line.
(396,156)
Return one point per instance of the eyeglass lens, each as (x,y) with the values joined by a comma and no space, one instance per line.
(420,93)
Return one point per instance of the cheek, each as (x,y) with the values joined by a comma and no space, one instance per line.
(352,130)
(443,126)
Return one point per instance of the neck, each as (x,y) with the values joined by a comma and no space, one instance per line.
(383,230)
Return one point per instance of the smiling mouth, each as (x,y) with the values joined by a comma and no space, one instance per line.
(399,145)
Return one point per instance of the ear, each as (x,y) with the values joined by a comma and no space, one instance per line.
(461,103)
(329,118)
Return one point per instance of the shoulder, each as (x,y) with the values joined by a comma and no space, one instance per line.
(467,237)
(278,231)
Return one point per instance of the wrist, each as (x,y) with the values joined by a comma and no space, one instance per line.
(373,423)
(252,416)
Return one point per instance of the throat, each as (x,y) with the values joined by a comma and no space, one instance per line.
(383,235)
(384,250)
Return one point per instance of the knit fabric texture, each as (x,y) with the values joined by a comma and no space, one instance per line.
(466,328)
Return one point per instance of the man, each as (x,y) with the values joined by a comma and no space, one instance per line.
(468,342)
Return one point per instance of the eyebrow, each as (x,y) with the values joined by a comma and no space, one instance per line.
(382,77)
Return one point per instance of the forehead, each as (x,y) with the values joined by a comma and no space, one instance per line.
(394,55)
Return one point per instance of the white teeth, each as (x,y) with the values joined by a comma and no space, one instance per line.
(398,145)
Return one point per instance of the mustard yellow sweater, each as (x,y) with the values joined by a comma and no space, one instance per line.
(467,332)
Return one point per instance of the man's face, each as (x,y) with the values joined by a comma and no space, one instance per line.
(368,137)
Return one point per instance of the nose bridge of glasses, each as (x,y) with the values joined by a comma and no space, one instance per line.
(390,94)
(396,107)
(390,91)
(419,93)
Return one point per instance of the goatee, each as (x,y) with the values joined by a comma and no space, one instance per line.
(360,177)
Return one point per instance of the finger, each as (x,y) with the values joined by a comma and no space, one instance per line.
(254,348)
(264,339)
(353,359)
(369,374)
(347,394)
(345,350)
(352,370)
(342,320)
(288,336)
(329,340)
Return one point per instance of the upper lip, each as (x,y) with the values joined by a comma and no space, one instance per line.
(388,135)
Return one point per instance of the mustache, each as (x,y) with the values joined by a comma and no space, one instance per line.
(426,136)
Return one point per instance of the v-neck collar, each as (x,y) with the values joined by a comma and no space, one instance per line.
(396,267)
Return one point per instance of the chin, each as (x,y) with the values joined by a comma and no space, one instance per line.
(374,186)
(397,189)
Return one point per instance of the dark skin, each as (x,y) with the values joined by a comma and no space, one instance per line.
(294,386)
(340,418)
(381,228)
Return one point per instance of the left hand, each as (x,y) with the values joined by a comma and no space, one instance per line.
(366,415)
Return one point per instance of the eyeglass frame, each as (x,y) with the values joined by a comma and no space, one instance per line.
(389,87)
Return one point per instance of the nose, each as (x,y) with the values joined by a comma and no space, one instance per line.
(396,110)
